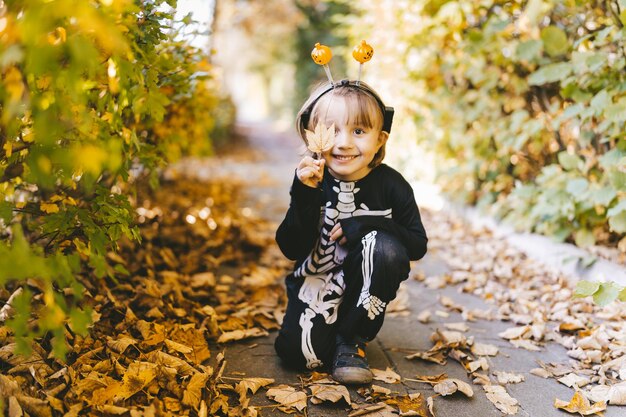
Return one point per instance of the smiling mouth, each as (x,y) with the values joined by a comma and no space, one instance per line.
(344,157)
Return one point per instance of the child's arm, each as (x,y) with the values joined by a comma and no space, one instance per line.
(298,232)
(406,223)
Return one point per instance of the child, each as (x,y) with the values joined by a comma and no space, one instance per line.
(352,226)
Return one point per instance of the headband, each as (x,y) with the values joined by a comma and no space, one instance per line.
(386,111)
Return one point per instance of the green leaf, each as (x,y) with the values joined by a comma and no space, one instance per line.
(617,179)
(550,73)
(617,223)
(569,161)
(6,211)
(608,292)
(554,41)
(586,288)
(616,112)
(80,320)
(603,196)
(577,186)
(529,50)
(584,238)
(622,295)
(600,101)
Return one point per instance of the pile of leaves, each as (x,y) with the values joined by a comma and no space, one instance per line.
(198,279)
(540,304)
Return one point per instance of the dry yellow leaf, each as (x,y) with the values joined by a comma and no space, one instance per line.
(288,397)
(321,139)
(193,392)
(581,405)
(332,393)
(501,399)
(252,385)
(388,375)
(241,334)
(137,377)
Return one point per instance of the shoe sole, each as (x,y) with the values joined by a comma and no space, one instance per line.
(352,375)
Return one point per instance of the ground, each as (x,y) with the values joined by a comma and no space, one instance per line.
(469,278)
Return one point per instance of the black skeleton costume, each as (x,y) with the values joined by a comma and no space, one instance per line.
(345,288)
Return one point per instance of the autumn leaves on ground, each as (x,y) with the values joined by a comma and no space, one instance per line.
(207,273)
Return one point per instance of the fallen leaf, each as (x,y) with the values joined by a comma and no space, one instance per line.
(136,378)
(508,377)
(432,378)
(409,405)
(501,399)
(431,405)
(478,364)
(460,327)
(375,410)
(525,344)
(484,349)
(514,332)
(452,385)
(388,375)
(581,405)
(288,397)
(252,385)
(573,380)
(377,389)
(121,344)
(178,347)
(424,316)
(332,393)
(193,391)
(615,394)
(241,334)
(540,372)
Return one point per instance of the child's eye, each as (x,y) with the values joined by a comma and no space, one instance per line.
(358,131)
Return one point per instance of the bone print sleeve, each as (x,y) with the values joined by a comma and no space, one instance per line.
(298,232)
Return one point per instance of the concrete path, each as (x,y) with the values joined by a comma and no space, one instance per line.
(268,176)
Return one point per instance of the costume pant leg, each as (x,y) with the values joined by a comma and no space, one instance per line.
(307,336)
(373,271)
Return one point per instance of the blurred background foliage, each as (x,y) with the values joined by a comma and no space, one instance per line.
(517,107)
(93,95)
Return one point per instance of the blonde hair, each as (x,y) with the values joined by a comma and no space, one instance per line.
(364,109)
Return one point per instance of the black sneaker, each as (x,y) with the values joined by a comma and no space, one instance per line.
(350,364)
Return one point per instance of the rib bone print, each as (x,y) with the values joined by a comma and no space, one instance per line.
(372,304)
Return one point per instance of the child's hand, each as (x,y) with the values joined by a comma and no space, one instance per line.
(337,234)
(310,171)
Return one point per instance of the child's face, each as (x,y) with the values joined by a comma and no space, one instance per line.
(355,146)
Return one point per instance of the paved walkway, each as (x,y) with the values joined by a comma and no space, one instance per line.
(268,176)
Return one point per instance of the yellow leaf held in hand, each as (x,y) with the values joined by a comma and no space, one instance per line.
(322,139)
(581,405)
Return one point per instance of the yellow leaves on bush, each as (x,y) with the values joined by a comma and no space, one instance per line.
(58,36)
(49,208)
(14,85)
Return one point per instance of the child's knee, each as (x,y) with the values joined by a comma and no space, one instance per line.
(391,253)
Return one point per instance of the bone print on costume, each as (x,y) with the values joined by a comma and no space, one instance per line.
(382,224)
(372,304)
(323,289)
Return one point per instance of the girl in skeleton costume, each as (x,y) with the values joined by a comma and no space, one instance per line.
(352,227)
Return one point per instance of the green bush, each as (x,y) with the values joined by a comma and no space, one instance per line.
(523,102)
(91,91)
